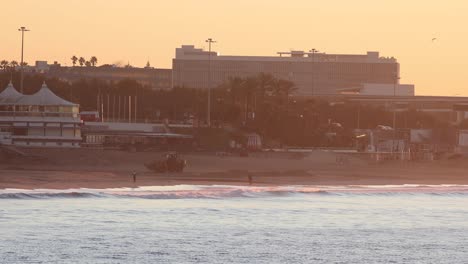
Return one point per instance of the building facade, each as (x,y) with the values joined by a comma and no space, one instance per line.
(312,73)
(140,136)
(39,120)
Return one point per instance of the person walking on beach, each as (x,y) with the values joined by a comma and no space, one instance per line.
(249,176)
(134,176)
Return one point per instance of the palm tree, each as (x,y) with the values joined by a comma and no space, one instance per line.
(265,83)
(24,64)
(4,64)
(13,65)
(81,61)
(234,87)
(249,86)
(74,60)
(93,61)
(283,88)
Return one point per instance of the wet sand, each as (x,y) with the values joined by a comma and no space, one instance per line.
(62,169)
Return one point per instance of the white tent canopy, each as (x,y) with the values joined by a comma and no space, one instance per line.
(10,95)
(44,97)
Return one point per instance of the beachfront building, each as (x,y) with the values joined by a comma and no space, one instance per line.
(39,120)
(313,73)
(134,136)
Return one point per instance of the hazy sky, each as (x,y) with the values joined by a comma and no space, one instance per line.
(140,30)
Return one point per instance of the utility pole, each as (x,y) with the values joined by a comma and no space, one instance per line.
(208,115)
(396,78)
(313,51)
(22,29)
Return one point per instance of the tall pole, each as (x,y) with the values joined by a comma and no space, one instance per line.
(102,108)
(22,29)
(313,51)
(113,108)
(118,112)
(98,108)
(359,116)
(108,108)
(129,108)
(135,109)
(124,97)
(394,110)
(208,115)
(135,104)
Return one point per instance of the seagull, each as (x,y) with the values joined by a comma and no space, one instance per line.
(434,39)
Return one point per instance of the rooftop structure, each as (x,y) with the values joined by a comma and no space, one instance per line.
(41,119)
(313,73)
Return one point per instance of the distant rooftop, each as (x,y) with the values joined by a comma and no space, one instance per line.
(189,52)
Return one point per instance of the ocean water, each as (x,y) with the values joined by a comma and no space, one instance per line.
(234,224)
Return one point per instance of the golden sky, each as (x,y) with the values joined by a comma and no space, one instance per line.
(140,30)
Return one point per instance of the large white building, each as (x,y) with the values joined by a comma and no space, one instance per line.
(42,119)
(312,73)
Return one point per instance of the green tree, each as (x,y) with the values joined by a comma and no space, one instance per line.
(93,61)
(4,64)
(74,60)
(14,64)
(82,61)
(283,88)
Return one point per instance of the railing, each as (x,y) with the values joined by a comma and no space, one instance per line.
(37,114)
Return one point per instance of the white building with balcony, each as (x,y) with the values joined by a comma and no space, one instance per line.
(39,120)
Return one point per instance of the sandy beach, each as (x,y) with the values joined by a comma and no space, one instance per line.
(86,168)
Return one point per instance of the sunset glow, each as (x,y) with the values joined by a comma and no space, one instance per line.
(427,37)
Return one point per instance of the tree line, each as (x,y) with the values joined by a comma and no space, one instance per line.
(10,65)
(262,104)
(83,62)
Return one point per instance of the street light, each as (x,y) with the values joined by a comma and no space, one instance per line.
(313,51)
(22,29)
(208,115)
(396,78)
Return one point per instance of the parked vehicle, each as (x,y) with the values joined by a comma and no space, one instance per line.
(170,163)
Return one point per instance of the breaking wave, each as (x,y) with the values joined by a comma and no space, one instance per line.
(220,192)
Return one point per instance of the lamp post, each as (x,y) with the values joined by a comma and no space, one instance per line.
(208,115)
(22,29)
(396,78)
(313,51)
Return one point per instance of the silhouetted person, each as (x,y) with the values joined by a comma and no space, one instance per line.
(250,178)
(134,176)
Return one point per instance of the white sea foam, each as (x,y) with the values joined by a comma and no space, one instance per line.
(225,191)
